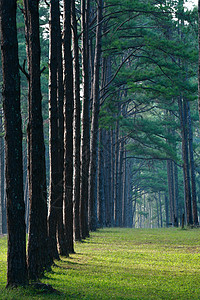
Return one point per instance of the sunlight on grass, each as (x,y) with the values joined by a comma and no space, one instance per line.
(123,264)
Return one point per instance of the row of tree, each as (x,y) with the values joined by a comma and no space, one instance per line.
(122,85)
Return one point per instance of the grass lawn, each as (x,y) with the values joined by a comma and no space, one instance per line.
(122,264)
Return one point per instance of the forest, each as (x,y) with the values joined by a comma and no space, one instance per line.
(99,123)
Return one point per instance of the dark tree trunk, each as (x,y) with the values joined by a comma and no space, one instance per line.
(116,177)
(100,183)
(112,175)
(158,211)
(175,175)
(167,210)
(170,189)
(68,126)
(16,255)
(192,169)
(108,181)
(38,258)
(184,136)
(62,241)
(95,121)
(160,207)
(85,122)
(121,161)
(2,182)
(53,130)
(76,127)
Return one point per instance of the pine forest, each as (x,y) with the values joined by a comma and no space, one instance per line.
(99,123)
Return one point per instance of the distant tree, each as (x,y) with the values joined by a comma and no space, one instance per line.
(17,267)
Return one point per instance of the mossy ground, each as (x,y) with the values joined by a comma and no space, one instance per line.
(122,264)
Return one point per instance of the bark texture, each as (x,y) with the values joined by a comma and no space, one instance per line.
(16,255)
(68,126)
(92,213)
(38,258)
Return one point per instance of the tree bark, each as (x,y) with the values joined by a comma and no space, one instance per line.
(192,168)
(95,121)
(100,183)
(62,241)
(68,126)
(76,127)
(116,177)
(53,130)
(85,122)
(184,136)
(16,255)
(38,258)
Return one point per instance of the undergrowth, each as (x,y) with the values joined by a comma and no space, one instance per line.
(121,264)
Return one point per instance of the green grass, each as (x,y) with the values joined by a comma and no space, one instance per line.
(122,264)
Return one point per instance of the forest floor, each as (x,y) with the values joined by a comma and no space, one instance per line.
(118,264)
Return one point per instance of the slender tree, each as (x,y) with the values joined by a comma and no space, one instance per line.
(68,126)
(62,242)
(76,125)
(85,121)
(53,130)
(92,214)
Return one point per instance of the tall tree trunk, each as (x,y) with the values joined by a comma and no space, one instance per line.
(16,255)
(2,180)
(68,126)
(53,130)
(108,181)
(167,210)
(121,161)
(38,257)
(184,136)
(76,126)
(116,179)
(95,121)
(175,175)
(85,121)
(100,182)
(62,241)
(160,207)
(192,169)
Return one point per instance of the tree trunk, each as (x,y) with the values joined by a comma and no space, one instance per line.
(62,241)
(68,126)
(76,127)
(2,182)
(85,122)
(175,175)
(184,136)
(116,179)
(100,183)
(167,210)
(95,121)
(192,168)
(16,255)
(38,257)
(53,130)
